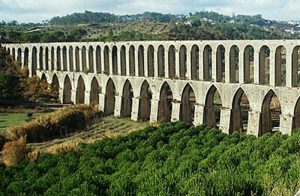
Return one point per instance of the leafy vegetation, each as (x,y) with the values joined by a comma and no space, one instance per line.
(171,159)
(93,26)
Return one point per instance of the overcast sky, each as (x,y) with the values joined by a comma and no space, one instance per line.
(39,10)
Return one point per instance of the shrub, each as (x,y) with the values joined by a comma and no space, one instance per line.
(14,151)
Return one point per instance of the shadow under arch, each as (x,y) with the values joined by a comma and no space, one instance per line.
(145,102)
(95,91)
(240,112)
(187,106)
(213,104)
(270,113)
(80,91)
(110,100)
(165,104)
(67,92)
(127,95)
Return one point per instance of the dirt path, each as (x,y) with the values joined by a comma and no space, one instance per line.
(105,127)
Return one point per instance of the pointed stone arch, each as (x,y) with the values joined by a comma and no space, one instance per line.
(127,96)
(207,63)
(213,104)
(187,106)
(91,60)
(84,60)
(182,61)
(141,60)
(34,60)
(132,60)
(47,57)
(172,61)
(19,55)
(280,66)
(150,58)
(110,99)
(220,60)
(98,59)
(55,82)
(26,57)
(67,92)
(80,91)
(234,64)
(64,59)
(44,78)
(264,65)
(145,102)
(106,60)
(71,59)
(114,54)
(161,61)
(123,60)
(165,103)
(270,113)
(95,91)
(248,64)
(239,112)
(58,59)
(77,59)
(195,62)
(41,58)
(296,118)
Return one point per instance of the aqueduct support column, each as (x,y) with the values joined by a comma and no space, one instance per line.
(38,63)
(146,63)
(227,66)
(127,62)
(118,106)
(155,63)
(273,68)
(289,70)
(256,66)
(175,111)
(199,112)
(101,102)
(136,61)
(87,60)
(68,58)
(214,65)
(241,68)
(135,108)
(102,60)
(118,62)
(55,58)
(286,124)
(188,65)
(225,120)
(87,97)
(154,110)
(177,64)
(30,65)
(73,95)
(166,63)
(254,123)
(95,61)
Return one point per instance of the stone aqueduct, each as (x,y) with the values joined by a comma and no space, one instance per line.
(199,82)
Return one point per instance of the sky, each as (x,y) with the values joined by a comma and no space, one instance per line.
(40,10)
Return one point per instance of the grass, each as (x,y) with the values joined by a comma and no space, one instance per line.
(15,118)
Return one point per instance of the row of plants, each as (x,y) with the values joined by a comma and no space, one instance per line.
(171,159)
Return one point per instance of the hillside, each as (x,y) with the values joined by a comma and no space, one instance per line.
(171,159)
(93,26)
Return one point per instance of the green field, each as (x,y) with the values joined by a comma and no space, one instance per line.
(10,119)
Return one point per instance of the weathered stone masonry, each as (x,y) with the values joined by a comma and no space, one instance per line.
(174,80)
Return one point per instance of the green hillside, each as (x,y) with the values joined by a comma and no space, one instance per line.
(94,26)
(172,159)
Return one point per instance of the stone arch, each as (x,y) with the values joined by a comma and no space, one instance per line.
(19,55)
(110,93)
(41,59)
(123,60)
(80,91)
(296,66)
(14,53)
(195,62)
(64,59)
(182,62)
(172,61)
(187,106)
(98,59)
(141,60)
(296,118)
(114,54)
(83,60)
(264,65)
(220,63)
(106,60)
(95,91)
(150,56)
(234,64)
(47,56)
(55,83)
(67,92)
(280,66)
(249,64)
(127,96)
(91,60)
(34,60)
(26,57)
(71,59)
(207,63)
(165,104)
(213,104)
(58,58)
(145,102)
(161,61)
(52,59)
(77,59)
(239,112)
(270,113)
(44,78)
(132,60)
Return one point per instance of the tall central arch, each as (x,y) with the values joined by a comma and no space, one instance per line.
(127,96)
(110,93)
(94,94)
(187,107)
(80,91)
(165,104)
(67,94)
(213,105)
(145,102)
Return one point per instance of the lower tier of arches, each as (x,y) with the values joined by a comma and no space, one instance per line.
(248,108)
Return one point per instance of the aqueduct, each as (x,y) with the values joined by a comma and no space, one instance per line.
(237,85)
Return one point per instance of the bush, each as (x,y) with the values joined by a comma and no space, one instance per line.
(56,124)
(14,152)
